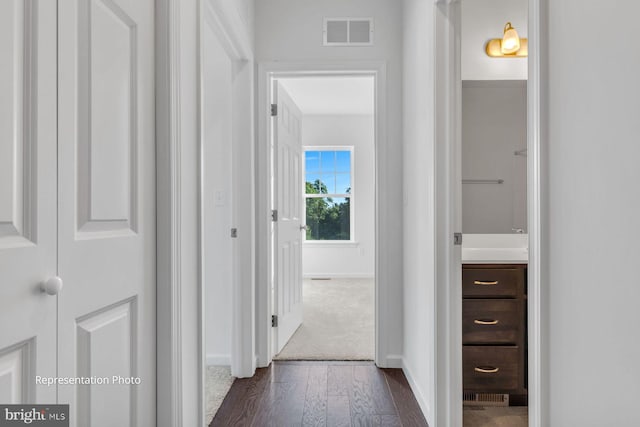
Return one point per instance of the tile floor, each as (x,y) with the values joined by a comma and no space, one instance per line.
(510,416)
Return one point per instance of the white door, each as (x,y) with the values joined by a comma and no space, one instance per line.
(27,199)
(106,238)
(288,201)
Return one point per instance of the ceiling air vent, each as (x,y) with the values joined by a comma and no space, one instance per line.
(348,31)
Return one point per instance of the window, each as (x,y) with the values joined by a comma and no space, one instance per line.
(328,193)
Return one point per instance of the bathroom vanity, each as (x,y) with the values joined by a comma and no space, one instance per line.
(494,317)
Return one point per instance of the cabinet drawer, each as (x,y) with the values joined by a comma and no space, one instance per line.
(491,282)
(490,368)
(491,321)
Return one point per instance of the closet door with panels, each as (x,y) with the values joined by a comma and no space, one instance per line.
(77,207)
(106,199)
(28,217)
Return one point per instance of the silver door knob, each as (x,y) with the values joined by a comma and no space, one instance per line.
(304,227)
(52,286)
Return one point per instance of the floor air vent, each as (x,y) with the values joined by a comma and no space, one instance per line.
(485,399)
(348,31)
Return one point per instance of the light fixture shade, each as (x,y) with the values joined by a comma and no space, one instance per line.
(510,40)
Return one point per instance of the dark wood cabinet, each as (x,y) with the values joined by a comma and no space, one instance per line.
(494,329)
(492,369)
(491,281)
(491,321)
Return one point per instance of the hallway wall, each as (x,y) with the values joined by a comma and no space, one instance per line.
(419,209)
(244,9)
(590,309)
(291,30)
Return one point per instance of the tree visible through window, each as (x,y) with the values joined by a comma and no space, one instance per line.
(328,194)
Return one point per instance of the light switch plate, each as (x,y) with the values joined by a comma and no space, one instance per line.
(220,198)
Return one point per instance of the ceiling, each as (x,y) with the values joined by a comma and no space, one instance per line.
(332,95)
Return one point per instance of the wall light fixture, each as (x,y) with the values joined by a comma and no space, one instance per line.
(509,46)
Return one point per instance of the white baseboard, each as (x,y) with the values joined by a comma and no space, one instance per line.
(394,361)
(337,276)
(417,392)
(218,360)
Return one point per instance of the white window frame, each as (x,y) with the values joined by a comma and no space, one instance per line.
(351,196)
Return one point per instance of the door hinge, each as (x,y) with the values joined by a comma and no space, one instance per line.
(274,321)
(457,239)
(274,109)
(234,233)
(274,215)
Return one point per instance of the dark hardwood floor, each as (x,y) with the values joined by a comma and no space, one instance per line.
(328,394)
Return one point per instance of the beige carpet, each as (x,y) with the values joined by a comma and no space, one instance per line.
(510,416)
(338,322)
(217,385)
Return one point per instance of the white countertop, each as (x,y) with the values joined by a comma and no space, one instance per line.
(495,249)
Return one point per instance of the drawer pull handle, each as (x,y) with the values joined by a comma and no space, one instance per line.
(483,283)
(486,322)
(486,369)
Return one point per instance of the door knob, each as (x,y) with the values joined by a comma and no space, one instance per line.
(304,227)
(52,286)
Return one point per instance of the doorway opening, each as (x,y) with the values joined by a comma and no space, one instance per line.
(493,158)
(322,196)
(495,209)
(335,194)
(217,204)
(225,211)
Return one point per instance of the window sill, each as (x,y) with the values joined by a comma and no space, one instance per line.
(331,244)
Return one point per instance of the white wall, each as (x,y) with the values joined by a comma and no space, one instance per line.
(291,30)
(494,126)
(483,20)
(334,260)
(592,105)
(244,10)
(217,219)
(418,210)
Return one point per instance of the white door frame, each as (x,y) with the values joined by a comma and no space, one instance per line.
(180,334)
(264,308)
(448,286)
(169,393)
